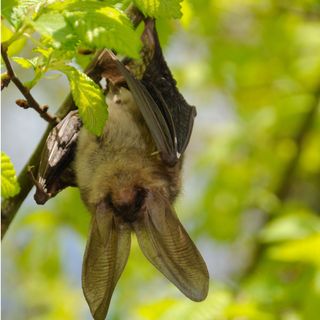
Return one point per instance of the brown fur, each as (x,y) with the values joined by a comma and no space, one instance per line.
(123,158)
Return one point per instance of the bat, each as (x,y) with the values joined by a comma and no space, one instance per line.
(129,178)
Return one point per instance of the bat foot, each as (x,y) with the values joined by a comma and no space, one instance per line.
(41,196)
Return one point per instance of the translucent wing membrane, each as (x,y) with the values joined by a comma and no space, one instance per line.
(105,257)
(169,248)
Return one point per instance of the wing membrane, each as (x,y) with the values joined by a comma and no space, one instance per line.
(55,172)
(105,257)
(169,248)
(156,122)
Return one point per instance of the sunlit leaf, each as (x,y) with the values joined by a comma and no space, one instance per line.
(25,63)
(16,11)
(296,225)
(212,308)
(303,250)
(53,24)
(9,183)
(93,23)
(88,98)
(105,27)
(160,8)
(16,46)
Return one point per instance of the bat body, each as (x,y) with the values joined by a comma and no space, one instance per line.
(123,163)
(129,178)
(128,187)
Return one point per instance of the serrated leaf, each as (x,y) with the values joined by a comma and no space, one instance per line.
(160,8)
(17,10)
(105,27)
(9,184)
(89,99)
(90,23)
(7,8)
(54,25)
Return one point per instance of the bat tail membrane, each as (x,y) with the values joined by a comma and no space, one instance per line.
(105,257)
(166,244)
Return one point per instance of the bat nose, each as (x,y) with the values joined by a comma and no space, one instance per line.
(128,211)
(127,203)
(124,209)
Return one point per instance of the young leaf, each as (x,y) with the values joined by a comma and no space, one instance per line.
(9,184)
(23,62)
(16,11)
(89,99)
(89,23)
(105,27)
(7,7)
(160,8)
(6,34)
(54,25)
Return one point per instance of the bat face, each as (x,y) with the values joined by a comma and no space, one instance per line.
(127,187)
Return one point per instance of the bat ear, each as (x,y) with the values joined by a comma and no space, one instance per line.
(169,248)
(105,257)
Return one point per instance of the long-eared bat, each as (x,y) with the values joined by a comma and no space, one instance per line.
(129,178)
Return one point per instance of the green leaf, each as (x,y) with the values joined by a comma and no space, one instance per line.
(16,46)
(298,224)
(54,25)
(16,11)
(89,99)
(7,7)
(105,27)
(9,184)
(160,8)
(92,24)
(25,63)
(302,250)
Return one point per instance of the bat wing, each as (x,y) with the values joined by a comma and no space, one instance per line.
(160,128)
(159,81)
(105,257)
(55,172)
(168,116)
(166,244)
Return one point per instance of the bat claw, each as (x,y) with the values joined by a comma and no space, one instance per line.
(41,196)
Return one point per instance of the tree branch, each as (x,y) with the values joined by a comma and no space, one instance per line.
(11,206)
(31,102)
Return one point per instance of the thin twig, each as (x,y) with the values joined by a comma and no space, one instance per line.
(31,102)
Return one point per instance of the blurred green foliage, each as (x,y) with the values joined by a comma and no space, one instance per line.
(253,175)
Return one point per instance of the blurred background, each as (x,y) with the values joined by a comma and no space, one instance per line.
(251,195)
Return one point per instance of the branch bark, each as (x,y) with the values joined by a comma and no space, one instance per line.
(30,100)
